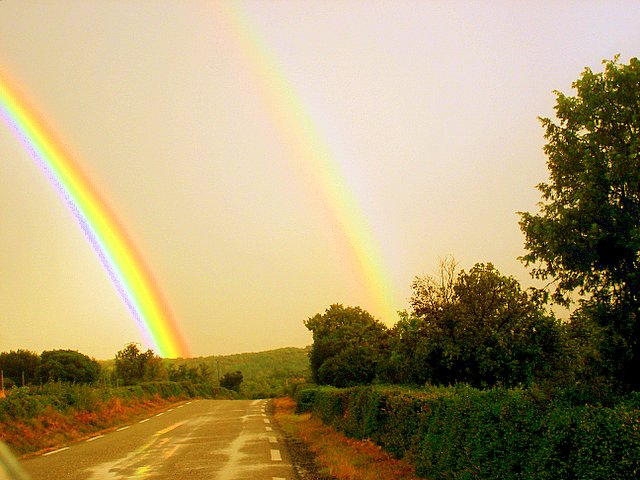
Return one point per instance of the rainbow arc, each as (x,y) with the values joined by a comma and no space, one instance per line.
(119,256)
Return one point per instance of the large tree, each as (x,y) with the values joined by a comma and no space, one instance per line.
(586,236)
(587,233)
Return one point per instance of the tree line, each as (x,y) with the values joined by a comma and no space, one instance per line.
(482,328)
(132,366)
(24,367)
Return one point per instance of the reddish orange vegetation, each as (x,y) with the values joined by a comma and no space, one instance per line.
(343,458)
(54,429)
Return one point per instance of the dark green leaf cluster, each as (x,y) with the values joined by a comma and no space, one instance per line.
(587,233)
(23,367)
(18,365)
(477,327)
(25,403)
(200,373)
(586,236)
(68,366)
(510,434)
(348,344)
(232,380)
(133,366)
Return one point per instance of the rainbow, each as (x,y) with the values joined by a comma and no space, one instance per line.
(314,157)
(124,264)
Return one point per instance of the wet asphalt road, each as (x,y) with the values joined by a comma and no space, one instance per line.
(203,439)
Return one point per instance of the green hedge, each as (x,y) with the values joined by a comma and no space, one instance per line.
(29,402)
(464,433)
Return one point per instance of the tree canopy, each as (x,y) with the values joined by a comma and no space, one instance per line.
(586,236)
(19,364)
(347,343)
(477,327)
(587,233)
(68,366)
(134,366)
(232,380)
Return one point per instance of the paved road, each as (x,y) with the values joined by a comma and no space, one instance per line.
(203,439)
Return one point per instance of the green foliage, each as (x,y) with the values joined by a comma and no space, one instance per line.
(132,366)
(28,402)
(348,344)
(586,236)
(196,374)
(68,366)
(265,374)
(232,380)
(462,432)
(477,327)
(17,363)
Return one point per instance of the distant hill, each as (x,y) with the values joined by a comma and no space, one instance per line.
(265,374)
(281,363)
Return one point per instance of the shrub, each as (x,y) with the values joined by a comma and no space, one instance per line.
(462,432)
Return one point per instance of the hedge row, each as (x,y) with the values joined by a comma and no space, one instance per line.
(28,402)
(464,433)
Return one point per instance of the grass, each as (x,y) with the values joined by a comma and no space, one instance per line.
(52,429)
(341,457)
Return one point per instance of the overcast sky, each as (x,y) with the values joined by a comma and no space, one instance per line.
(427,109)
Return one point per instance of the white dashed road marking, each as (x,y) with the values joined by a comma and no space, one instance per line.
(94,438)
(55,451)
(266,420)
(275,456)
(145,420)
(273,440)
(122,428)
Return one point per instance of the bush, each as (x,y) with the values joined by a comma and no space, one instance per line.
(462,432)
(28,402)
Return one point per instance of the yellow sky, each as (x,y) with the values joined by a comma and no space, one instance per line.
(428,108)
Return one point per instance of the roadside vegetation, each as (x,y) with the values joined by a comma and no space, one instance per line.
(332,454)
(39,418)
(480,378)
(264,374)
(60,396)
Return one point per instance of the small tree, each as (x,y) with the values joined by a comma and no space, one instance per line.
(348,345)
(20,364)
(133,366)
(232,380)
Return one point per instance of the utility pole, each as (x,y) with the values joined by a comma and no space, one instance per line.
(2,395)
